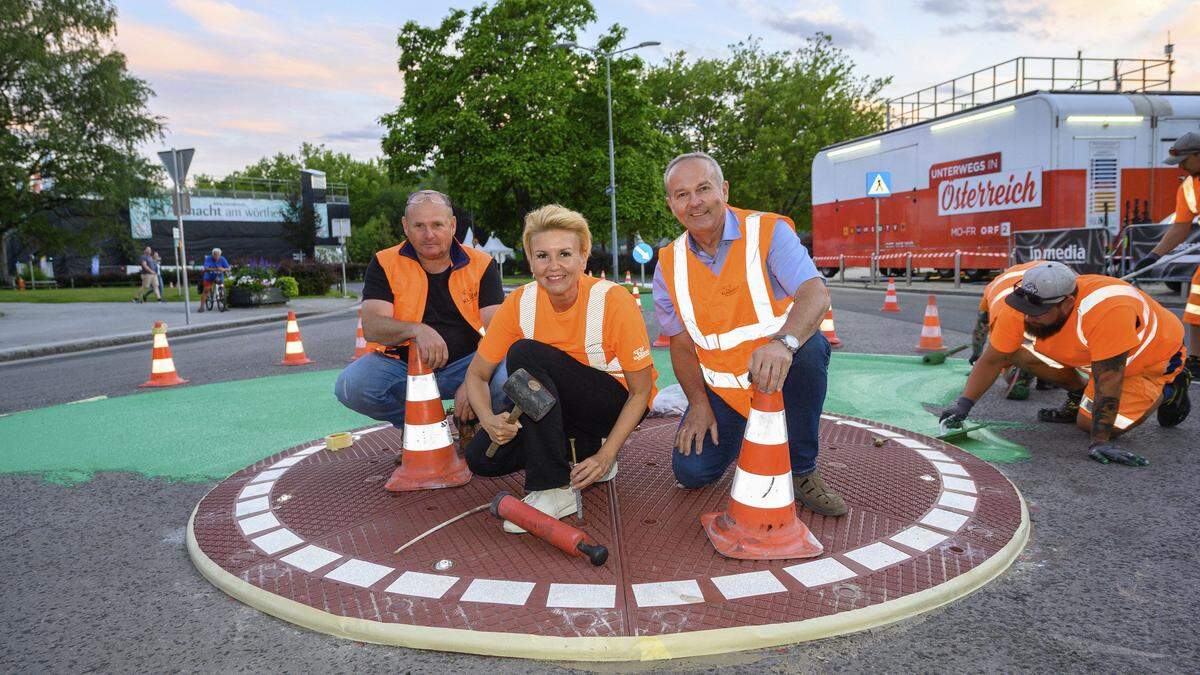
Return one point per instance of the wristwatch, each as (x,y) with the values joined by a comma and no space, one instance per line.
(788,340)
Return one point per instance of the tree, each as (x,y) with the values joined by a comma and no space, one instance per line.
(72,117)
(300,224)
(513,124)
(764,116)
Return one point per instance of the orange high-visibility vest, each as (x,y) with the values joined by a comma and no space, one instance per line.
(1188,188)
(729,315)
(410,286)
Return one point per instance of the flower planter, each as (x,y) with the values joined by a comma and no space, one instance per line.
(244,297)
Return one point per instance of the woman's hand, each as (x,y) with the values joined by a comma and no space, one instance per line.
(499,429)
(593,468)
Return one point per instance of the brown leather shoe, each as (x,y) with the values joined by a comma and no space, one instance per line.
(814,494)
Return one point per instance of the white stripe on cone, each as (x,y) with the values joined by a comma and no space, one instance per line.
(766,428)
(422,388)
(930,331)
(424,437)
(292,327)
(764,492)
(160,340)
(294,348)
(1192,308)
(158,366)
(827,325)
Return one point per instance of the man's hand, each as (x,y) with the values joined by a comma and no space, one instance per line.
(499,429)
(1106,452)
(954,416)
(462,405)
(593,468)
(769,365)
(1148,260)
(698,421)
(431,347)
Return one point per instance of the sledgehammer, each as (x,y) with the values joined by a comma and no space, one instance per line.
(938,358)
(530,397)
(566,538)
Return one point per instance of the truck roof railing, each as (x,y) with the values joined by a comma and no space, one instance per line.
(1029,73)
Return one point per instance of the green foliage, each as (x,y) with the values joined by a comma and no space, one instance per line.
(513,124)
(311,278)
(764,116)
(288,286)
(375,236)
(71,114)
(254,278)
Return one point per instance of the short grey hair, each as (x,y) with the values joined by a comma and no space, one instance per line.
(712,164)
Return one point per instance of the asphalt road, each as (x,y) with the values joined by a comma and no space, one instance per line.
(98,578)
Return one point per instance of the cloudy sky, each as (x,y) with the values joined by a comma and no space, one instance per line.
(240,79)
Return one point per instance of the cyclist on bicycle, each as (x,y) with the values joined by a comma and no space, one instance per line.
(215,267)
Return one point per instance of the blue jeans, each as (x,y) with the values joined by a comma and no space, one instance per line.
(803,398)
(375,385)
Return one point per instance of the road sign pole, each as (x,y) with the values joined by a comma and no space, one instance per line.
(187,305)
(342,240)
(875,271)
(643,265)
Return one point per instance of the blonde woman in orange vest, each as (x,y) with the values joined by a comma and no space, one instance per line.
(428,291)
(584,339)
(741,301)
(1185,152)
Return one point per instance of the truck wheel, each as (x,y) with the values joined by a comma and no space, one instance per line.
(977,275)
(829,272)
(946,273)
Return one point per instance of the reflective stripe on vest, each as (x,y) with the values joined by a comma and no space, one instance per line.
(1003,293)
(768,323)
(1189,193)
(593,339)
(1149,318)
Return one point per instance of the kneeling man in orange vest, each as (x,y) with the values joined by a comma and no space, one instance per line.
(741,301)
(428,293)
(1131,345)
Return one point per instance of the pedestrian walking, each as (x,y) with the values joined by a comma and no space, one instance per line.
(150,278)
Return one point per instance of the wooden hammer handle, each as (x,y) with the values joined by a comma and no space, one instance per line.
(512,417)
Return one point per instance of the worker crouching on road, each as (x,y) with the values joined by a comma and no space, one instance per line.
(585,341)
(741,301)
(429,293)
(1132,346)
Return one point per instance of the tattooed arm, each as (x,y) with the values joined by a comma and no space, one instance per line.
(979,337)
(1108,375)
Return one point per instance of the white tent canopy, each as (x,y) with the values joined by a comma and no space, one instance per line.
(497,249)
(469,239)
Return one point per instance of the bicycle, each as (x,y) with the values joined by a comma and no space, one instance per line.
(216,296)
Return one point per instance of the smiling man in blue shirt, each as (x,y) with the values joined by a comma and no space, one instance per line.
(732,320)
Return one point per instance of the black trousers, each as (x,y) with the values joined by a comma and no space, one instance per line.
(588,404)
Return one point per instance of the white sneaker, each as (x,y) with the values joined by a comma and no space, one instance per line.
(555,502)
(612,473)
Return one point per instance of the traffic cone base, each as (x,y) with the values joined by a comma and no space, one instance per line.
(293,347)
(162,364)
(891,303)
(430,459)
(931,329)
(760,522)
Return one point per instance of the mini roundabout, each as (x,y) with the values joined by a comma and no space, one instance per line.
(308,535)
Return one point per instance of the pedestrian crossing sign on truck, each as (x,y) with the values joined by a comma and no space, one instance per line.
(879,183)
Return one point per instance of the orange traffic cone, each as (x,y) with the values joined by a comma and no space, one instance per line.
(602,275)
(360,343)
(293,348)
(890,302)
(430,459)
(827,329)
(162,365)
(760,522)
(931,331)
(628,278)
(661,341)
(637,296)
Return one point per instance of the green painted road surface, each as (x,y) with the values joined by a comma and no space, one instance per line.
(207,432)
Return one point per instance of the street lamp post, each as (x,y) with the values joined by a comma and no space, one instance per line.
(612,161)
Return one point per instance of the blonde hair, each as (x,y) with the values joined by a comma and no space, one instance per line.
(555,217)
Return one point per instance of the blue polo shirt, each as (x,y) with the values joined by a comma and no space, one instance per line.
(788,266)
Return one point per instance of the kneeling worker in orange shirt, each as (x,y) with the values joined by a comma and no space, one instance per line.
(1132,346)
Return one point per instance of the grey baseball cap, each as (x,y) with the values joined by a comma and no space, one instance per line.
(1042,288)
(1187,144)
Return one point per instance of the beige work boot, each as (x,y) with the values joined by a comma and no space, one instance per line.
(555,502)
(818,497)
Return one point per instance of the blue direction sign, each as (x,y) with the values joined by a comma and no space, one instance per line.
(879,183)
(642,253)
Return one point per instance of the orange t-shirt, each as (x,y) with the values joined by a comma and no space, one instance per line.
(1183,211)
(1005,281)
(624,335)
(1111,327)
